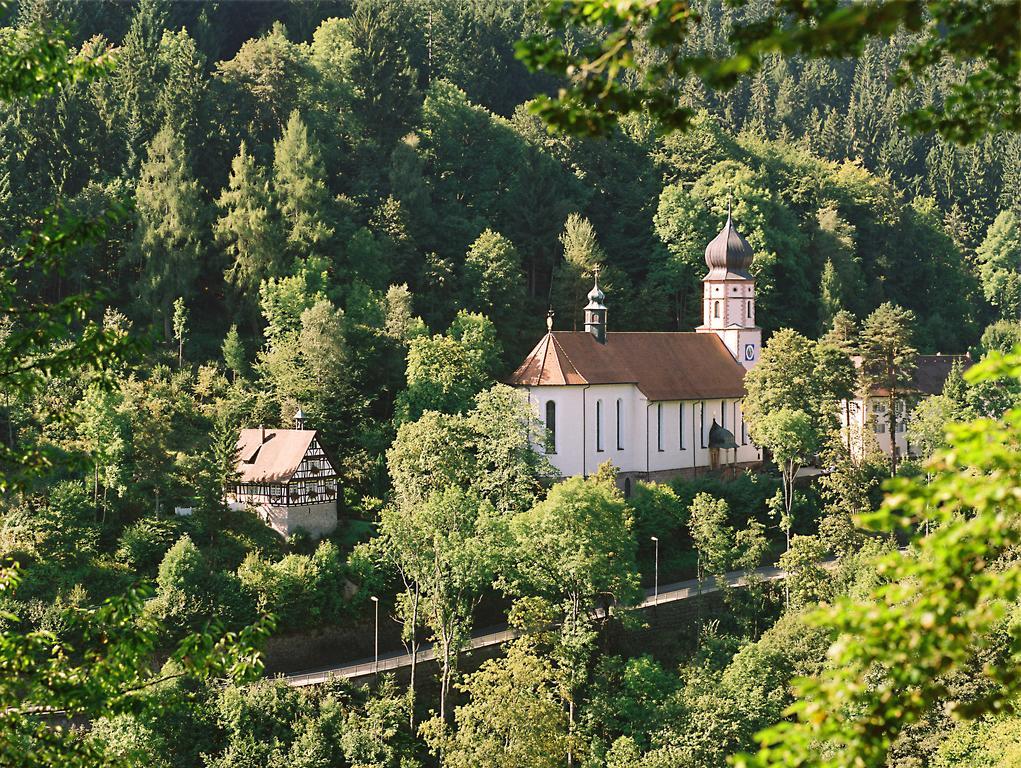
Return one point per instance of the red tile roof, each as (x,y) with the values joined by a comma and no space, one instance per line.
(275,458)
(664,366)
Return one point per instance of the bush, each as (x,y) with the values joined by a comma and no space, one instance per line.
(142,545)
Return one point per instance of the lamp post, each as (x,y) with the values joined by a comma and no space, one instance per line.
(375,666)
(655,540)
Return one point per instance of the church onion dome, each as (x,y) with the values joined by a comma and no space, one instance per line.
(728,255)
(596,296)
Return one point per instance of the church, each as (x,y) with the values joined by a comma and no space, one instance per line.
(656,405)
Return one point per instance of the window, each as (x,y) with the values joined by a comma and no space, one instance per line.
(749,309)
(723,413)
(659,426)
(620,425)
(744,431)
(701,421)
(716,309)
(599,425)
(551,427)
(680,426)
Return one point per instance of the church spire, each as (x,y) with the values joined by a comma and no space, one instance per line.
(595,311)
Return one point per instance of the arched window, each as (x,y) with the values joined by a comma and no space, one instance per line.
(599,425)
(749,309)
(716,309)
(551,427)
(723,413)
(620,425)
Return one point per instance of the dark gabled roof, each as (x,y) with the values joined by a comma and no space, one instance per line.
(930,374)
(664,366)
(272,455)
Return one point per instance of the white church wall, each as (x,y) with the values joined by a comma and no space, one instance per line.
(578,453)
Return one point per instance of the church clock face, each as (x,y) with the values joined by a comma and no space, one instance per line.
(749,352)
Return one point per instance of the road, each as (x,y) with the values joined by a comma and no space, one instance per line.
(668,593)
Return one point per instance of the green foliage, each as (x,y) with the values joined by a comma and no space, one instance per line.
(143,545)
(97,669)
(608,80)
(514,717)
(169,240)
(900,643)
(575,547)
(888,359)
(298,589)
(446,372)
(246,226)
(999,259)
(300,187)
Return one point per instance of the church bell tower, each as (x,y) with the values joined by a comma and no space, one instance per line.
(728,295)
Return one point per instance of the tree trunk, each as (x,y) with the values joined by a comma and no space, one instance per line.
(893,431)
(414,658)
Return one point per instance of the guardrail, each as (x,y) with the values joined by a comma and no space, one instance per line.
(670,593)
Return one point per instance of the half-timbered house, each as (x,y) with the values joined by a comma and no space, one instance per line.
(286,477)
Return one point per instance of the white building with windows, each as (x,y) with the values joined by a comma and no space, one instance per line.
(657,405)
(866,419)
(286,477)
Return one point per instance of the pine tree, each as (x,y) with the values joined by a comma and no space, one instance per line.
(234,353)
(378,67)
(843,332)
(168,239)
(183,83)
(247,227)
(137,76)
(300,185)
(888,360)
(573,276)
(830,295)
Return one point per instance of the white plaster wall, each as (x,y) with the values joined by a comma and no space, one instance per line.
(863,421)
(640,446)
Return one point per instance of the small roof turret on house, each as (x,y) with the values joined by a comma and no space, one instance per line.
(729,255)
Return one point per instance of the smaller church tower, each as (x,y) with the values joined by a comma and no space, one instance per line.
(595,312)
(728,295)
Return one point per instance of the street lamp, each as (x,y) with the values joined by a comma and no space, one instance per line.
(655,540)
(375,668)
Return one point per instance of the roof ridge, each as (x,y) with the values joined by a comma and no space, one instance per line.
(545,354)
(560,350)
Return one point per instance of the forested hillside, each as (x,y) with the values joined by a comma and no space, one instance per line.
(347,207)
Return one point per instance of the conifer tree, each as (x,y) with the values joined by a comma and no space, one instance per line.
(843,332)
(168,240)
(379,69)
(830,294)
(246,225)
(573,276)
(234,353)
(888,360)
(300,184)
(183,83)
(137,77)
